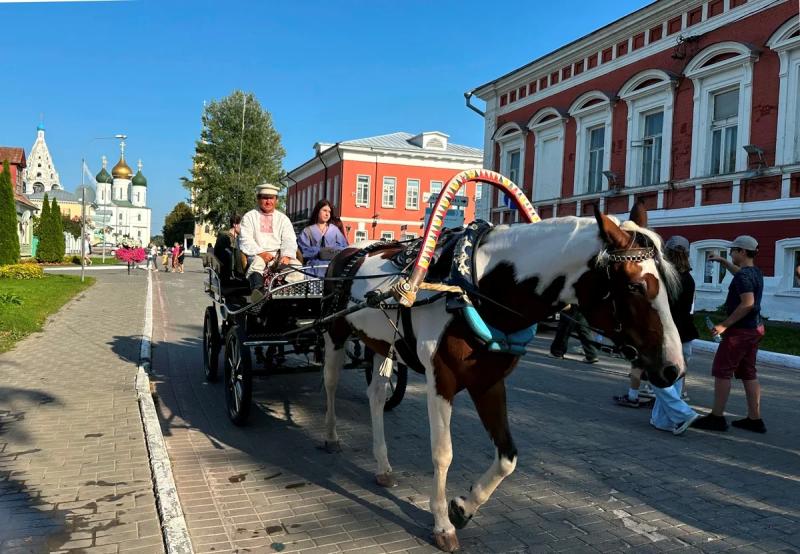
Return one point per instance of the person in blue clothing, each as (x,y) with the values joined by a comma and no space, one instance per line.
(322,238)
(670,411)
(741,332)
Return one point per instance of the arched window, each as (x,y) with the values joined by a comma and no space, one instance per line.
(723,77)
(592,113)
(509,137)
(650,100)
(786,42)
(548,155)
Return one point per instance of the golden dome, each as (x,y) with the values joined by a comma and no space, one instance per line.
(121,170)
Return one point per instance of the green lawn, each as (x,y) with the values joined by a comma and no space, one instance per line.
(26,303)
(778,337)
(110,260)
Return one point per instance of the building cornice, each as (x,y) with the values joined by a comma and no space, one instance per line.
(608,36)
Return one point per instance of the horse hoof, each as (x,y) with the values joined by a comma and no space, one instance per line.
(456,514)
(333,447)
(386,480)
(446,541)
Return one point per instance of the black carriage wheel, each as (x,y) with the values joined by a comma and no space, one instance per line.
(238,377)
(397,382)
(211,344)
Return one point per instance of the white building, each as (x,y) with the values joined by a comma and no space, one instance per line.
(122,202)
(40,174)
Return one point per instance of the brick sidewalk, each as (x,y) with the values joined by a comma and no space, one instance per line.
(74,471)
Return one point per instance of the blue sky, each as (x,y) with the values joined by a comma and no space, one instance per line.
(327,71)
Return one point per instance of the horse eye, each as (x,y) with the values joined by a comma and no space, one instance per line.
(637,288)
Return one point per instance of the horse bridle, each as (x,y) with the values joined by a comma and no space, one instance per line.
(627,254)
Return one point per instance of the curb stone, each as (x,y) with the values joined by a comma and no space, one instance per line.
(170,512)
(764,356)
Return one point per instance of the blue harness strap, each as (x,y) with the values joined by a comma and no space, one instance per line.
(462,274)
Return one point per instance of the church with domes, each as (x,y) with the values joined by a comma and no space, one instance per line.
(122,202)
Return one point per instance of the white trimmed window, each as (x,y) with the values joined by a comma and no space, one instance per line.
(335,199)
(787,260)
(708,275)
(387,235)
(412,194)
(786,42)
(362,190)
(548,155)
(361,235)
(592,113)
(650,100)
(723,81)
(389,192)
(408,236)
(435,189)
(509,138)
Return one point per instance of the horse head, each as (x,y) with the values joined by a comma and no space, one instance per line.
(626,295)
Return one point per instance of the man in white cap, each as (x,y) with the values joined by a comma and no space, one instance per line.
(265,234)
(741,331)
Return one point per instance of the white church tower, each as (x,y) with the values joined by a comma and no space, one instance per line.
(41,174)
(139,188)
(122,174)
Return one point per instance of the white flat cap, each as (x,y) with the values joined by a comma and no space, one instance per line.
(267,188)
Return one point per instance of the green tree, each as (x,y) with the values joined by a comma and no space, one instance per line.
(158,240)
(179,222)
(9,239)
(231,159)
(46,249)
(58,231)
(71,226)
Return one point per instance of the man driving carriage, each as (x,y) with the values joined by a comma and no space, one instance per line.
(265,234)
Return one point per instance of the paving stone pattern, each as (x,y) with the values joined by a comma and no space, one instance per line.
(591,477)
(74,471)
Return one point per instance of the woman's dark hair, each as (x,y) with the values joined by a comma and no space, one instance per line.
(679,258)
(235,219)
(315,215)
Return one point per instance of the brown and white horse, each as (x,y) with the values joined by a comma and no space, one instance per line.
(615,274)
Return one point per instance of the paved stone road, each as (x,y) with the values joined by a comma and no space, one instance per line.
(74,472)
(592,477)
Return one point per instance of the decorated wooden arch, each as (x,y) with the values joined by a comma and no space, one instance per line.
(405,290)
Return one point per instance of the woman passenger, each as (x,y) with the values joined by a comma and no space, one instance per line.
(322,238)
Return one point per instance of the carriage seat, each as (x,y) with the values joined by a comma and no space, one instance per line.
(233,282)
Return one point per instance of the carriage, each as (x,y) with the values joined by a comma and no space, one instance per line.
(257,338)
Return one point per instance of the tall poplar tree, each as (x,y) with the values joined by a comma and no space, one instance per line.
(58,231)
(45,252)
(9,238)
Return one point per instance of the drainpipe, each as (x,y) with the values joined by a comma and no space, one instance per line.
(325,173)
(468,99)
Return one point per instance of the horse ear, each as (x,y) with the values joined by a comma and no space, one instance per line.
(639,214)
(610,231)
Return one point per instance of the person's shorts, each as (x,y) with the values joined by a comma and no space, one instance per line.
(736,355)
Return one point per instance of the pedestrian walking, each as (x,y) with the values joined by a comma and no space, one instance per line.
(670,411)
(87,250)
(741,332)
(165,258)
(572,319)
(152,257)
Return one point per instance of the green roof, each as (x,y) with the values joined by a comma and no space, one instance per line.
(104,177)
(139,180)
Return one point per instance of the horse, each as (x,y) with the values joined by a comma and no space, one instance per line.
(525,272)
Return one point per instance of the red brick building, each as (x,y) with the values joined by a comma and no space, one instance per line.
(380,185)
(691,106)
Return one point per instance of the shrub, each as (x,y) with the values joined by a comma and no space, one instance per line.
(21,271)
(29,261)
(58,230)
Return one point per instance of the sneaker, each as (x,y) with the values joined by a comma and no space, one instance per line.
(681,429)
(755,425)
(557,356)
(646,390)
(685,397)
(711,422)
(591,360)
(623,400)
